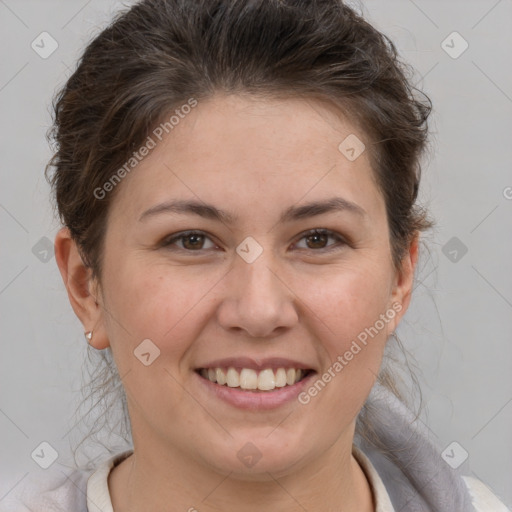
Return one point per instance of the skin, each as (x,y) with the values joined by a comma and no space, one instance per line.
(253,158)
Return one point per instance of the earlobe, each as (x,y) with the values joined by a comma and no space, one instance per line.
(82,291)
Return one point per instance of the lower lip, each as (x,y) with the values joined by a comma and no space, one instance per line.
(256,400)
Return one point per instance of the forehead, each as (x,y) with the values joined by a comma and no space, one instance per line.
(253,153)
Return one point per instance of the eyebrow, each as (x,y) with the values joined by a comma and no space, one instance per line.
(207,211)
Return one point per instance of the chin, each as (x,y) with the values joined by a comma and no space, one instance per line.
(253,457)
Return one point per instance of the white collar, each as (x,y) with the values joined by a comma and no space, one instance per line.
(380,495)
(98,495)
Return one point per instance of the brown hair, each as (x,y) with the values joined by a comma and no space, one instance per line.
(157,55)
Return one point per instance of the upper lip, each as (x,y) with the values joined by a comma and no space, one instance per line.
(255,363)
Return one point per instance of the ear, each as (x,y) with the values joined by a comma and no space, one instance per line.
(403,283)
(83,292)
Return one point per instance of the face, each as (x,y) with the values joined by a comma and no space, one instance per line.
(288,266)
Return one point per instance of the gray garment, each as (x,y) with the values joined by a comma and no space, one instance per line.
(416,477)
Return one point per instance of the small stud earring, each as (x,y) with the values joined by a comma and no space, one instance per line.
(88,336)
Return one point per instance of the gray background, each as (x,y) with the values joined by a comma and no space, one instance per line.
(460,324)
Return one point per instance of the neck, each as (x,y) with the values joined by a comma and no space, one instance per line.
(333,481)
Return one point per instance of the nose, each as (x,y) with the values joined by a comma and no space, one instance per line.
(257,300)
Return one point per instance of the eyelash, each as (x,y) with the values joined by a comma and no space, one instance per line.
(166,243)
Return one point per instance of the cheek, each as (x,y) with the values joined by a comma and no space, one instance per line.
(351,334)
(351,301)
(352,337)
(162,303)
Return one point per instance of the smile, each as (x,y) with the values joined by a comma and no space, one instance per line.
(248,379)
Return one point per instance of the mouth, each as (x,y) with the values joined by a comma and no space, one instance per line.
(254,381)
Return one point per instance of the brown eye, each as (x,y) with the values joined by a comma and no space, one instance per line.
(318,239)
(189,241)
(193,242)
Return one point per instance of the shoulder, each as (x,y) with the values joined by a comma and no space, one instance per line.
(53,489)
(482,497)
(410,464)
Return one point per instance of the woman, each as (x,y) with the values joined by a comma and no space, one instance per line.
(237,183)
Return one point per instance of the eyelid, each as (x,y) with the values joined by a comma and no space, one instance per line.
(323,231)
(168,241)
(341,241)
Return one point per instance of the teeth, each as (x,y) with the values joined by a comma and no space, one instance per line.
(232,378)
(220,376)
(280,378)
(249,379)
(266,380)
